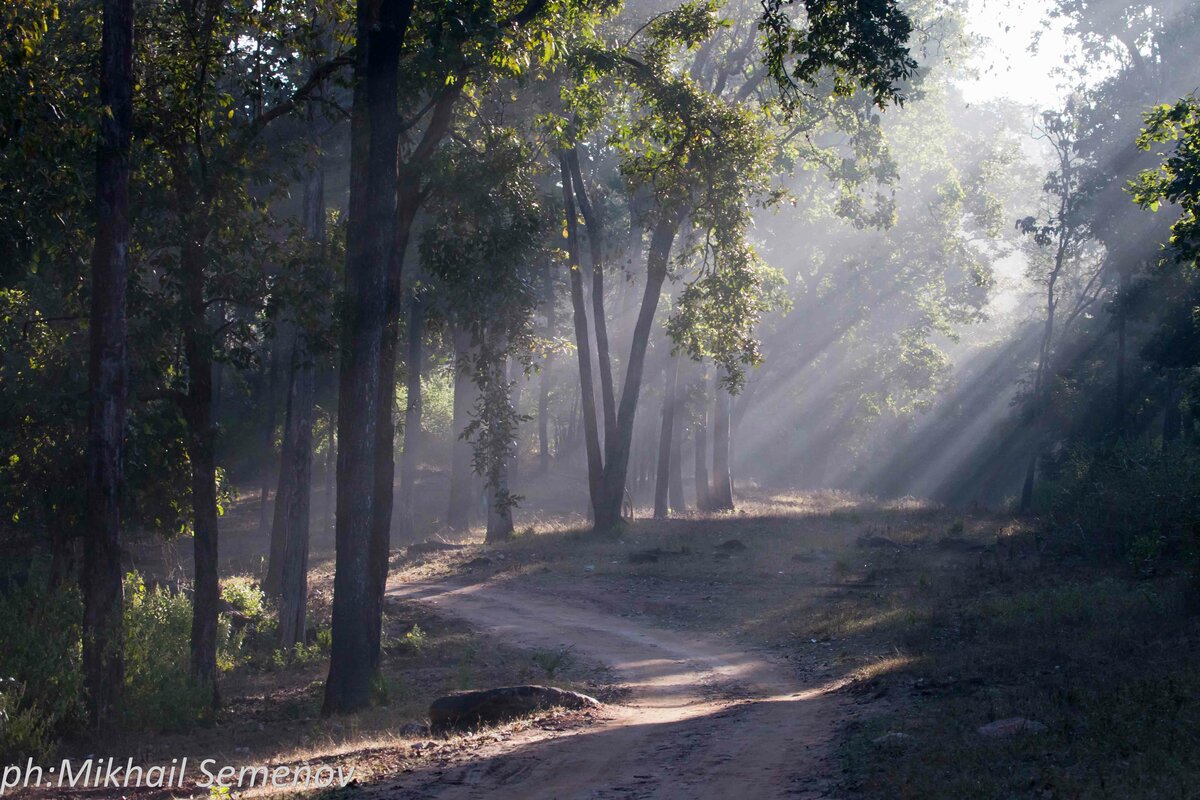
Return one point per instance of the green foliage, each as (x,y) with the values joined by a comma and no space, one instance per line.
(858,45)
(41,677)
(160,692)
(244,594)
(1177,179)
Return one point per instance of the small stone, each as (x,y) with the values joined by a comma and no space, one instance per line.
(1011,727)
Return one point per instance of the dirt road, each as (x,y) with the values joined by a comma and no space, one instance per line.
(702,719)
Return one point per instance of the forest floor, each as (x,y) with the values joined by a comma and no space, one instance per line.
(807,645)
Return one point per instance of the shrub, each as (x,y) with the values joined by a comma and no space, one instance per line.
(1133,501)
(41,678)
(159,692)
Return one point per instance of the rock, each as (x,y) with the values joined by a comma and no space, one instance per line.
(489,706)
(431,546)
(891,738)
(731,546)
(414,729)
(1011,727)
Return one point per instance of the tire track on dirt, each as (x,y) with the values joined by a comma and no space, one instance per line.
(703,719)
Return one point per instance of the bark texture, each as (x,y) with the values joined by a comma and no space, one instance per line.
(103,638)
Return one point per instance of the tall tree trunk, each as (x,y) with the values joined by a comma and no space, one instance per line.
(704,500)
(407,203)
(675,497)
(608,510)
(595,232)
(544,378)
(293,497)
(370,240)
(1122,315)
(330,468)
(458,514)
(583,347)
(412,418)
(499,507)
(722,481)
(666,440)
(201,439)
(103,634)
(270,379)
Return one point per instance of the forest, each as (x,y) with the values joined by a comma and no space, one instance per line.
(600,398)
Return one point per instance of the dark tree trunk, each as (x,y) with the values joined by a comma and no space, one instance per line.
(675,496)
(700,435)
(608,510)
(407,202)
(270,379)
(666,440)
(292,498)
(499,508)
(412,419)
(595,234)
(544,381)
(369,242)
(583,349)
(458,514)
(201,441)
(722,481)
(103,635)
(1119,398)
(330,468)
(273,581)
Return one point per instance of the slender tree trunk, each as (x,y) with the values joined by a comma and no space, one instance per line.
(293,497)
(458,515)
(587,396)
(201,438)
(103,634)
(270,381)
(370,241)
(544,378)
(330,468)
(722,481)
(675,497)
(412,418)
(666,440)
(499,509)
(1122,315)
(595,234)
(703,489)
(608,511)
(273,581)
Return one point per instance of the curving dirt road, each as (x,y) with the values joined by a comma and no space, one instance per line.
(702,719)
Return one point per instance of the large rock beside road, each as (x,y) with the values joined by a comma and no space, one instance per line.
(489,706)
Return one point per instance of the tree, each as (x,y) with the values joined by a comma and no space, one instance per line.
(361,551)
(1065,235)
(108,371)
